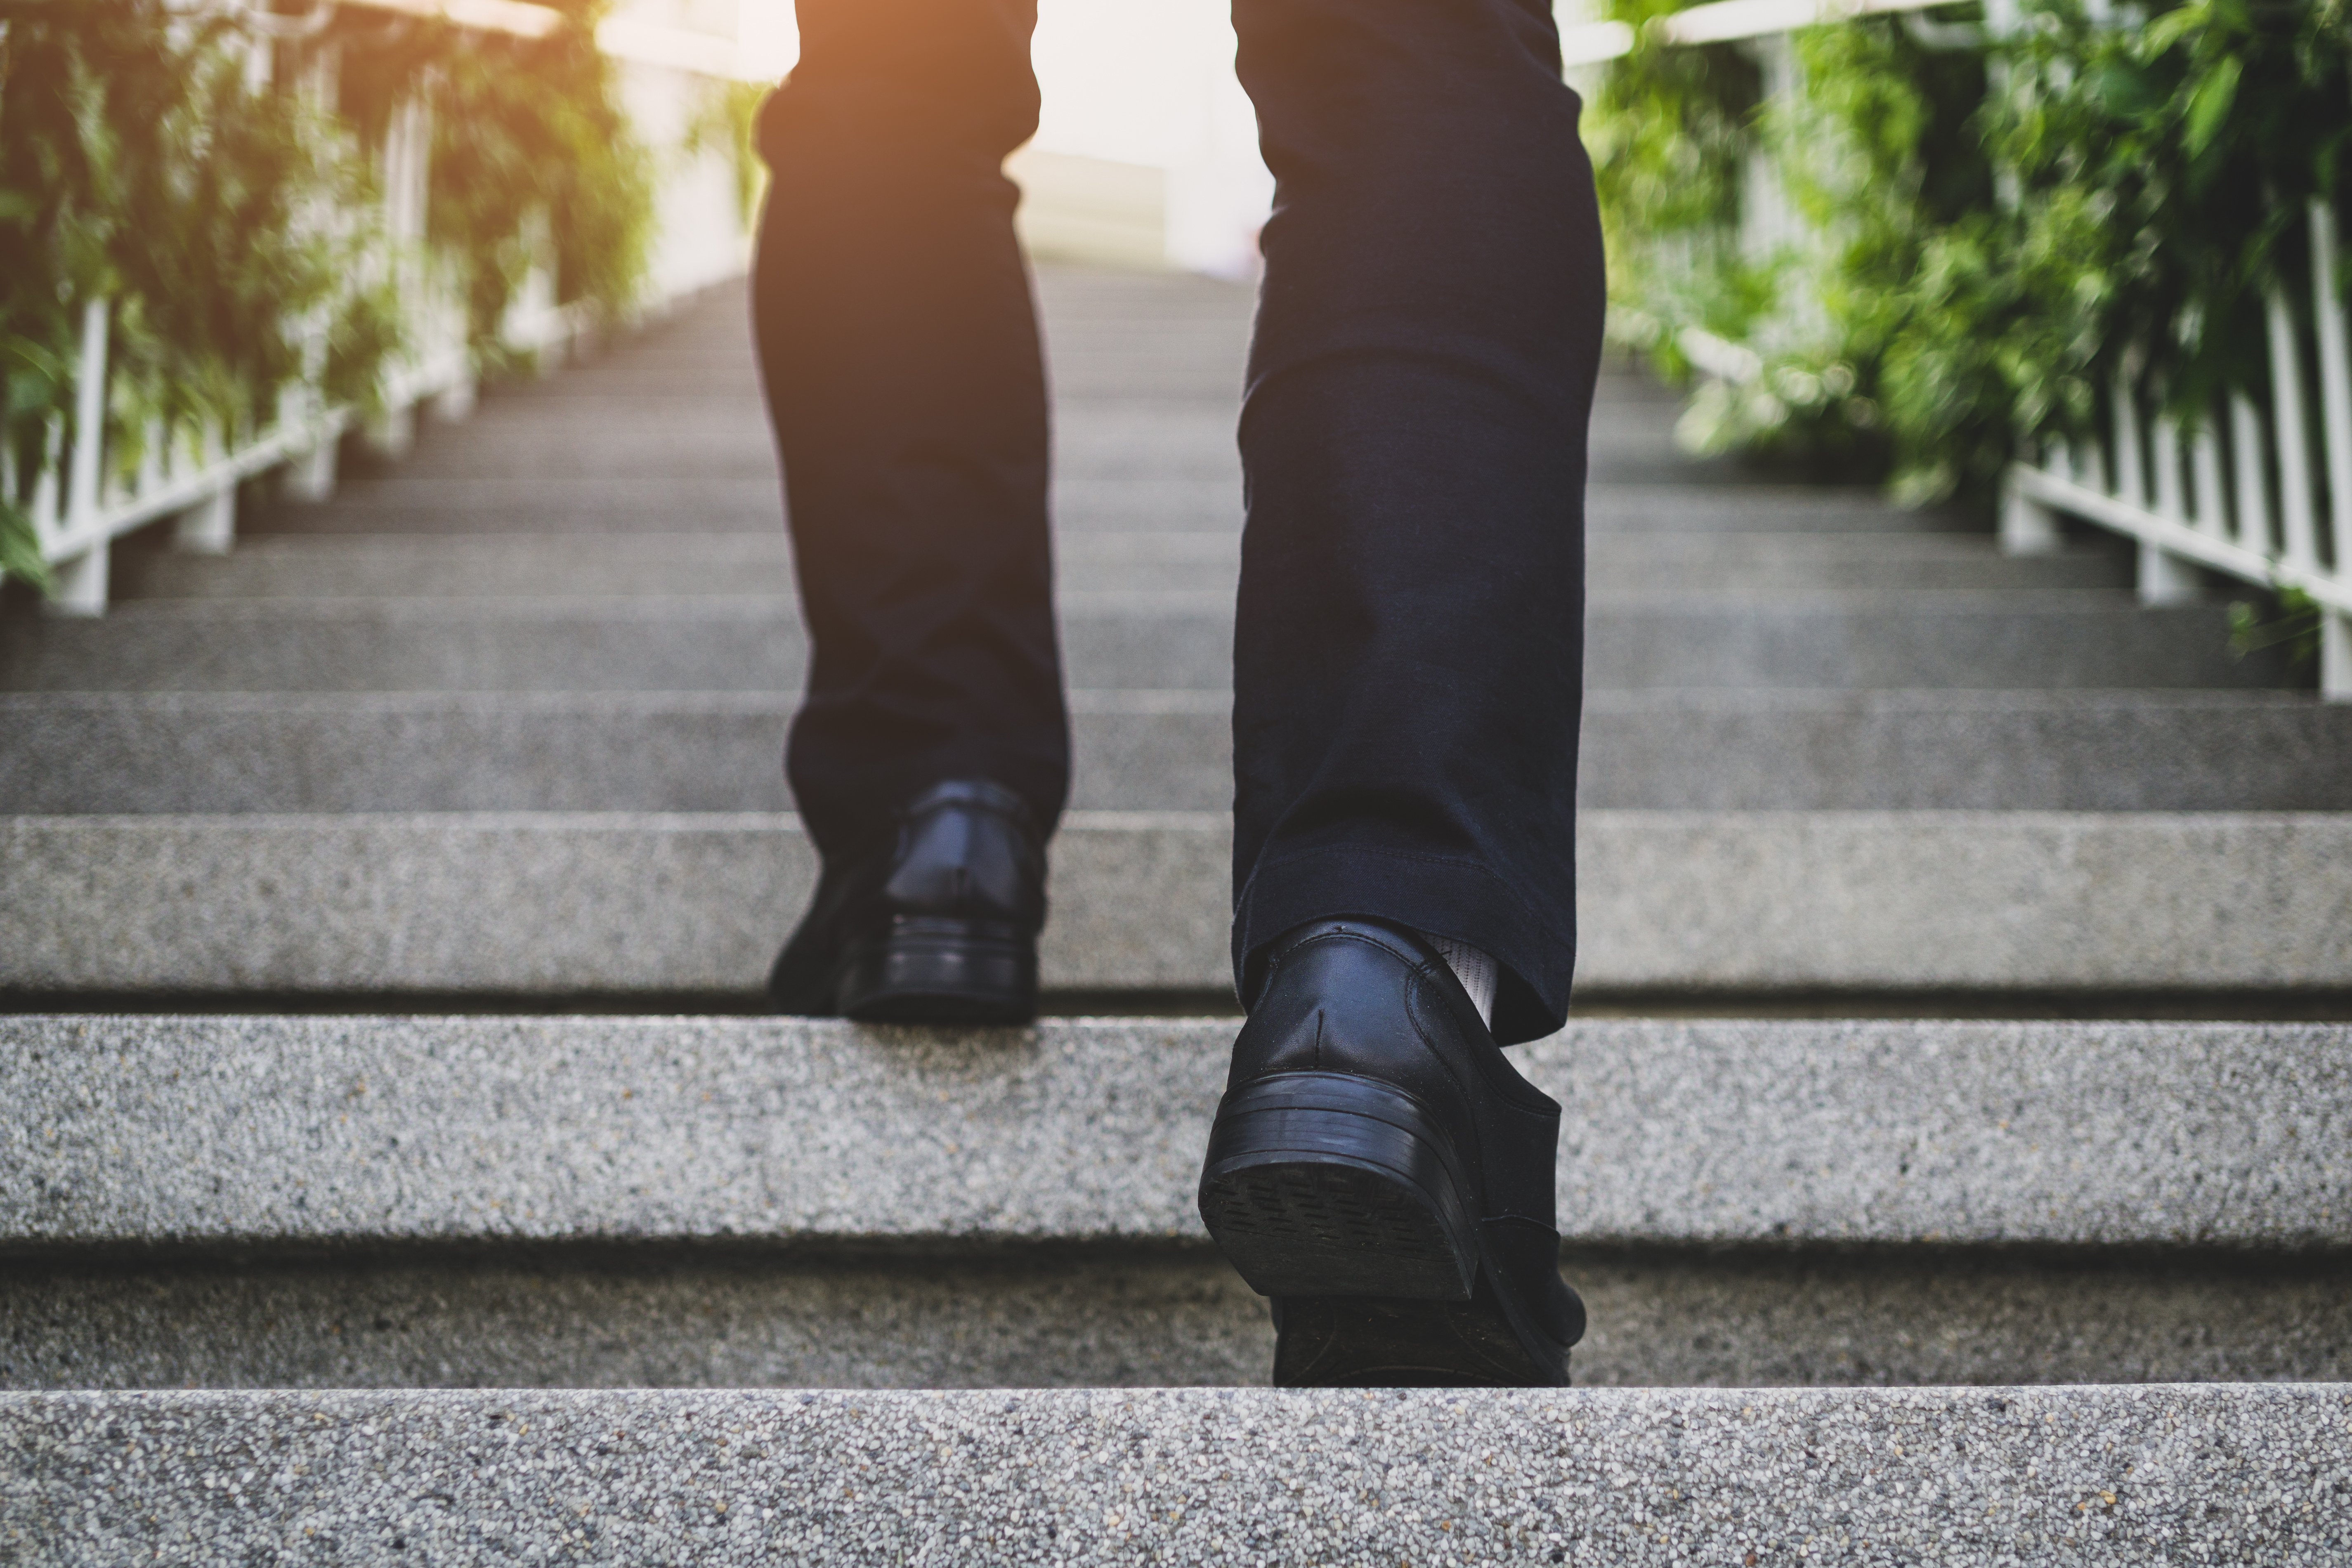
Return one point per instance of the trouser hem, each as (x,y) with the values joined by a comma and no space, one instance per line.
(1445,896)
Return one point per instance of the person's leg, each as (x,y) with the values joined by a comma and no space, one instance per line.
(898,344)
(1407,681)
(1408,664)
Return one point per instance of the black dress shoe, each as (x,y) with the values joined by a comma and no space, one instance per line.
(936,925)
(1383,1171)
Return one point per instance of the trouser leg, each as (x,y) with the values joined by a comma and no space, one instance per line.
(1408,661)
(899,342)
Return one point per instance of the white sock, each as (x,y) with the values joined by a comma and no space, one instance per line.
(1471,966)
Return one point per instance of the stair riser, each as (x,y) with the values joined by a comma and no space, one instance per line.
(323,1133)
(1975,1475)
(557,907)
(194,752)
(1133,1322)
(1147,642)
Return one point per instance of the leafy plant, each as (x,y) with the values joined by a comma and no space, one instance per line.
(533,159)
(138,165)
(1670,133)
(1997,230)
(727,121)
(2296,627)
(228,220)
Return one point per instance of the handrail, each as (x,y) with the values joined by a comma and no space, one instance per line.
(643,43)
(1720,21)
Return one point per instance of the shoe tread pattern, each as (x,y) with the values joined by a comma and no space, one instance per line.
(1332,1228)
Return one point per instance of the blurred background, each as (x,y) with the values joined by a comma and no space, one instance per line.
(2053,258)
(401,622)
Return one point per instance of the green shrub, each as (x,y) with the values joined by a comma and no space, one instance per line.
(232,225)
(1995,231)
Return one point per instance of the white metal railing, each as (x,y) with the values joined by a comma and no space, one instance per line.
(2259,490)
(2245,490)
(84,493)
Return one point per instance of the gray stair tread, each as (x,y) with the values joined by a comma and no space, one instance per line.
(520,565)
(576,904)
(306,1133)
(748,504)
(1127,1316)
(2073,638)
(108,753)
(2089,1475)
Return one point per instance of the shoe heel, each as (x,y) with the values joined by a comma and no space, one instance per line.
(1331,1184)
(936,971)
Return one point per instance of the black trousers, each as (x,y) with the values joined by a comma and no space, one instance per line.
(1408,656)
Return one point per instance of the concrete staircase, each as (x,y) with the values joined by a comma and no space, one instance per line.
(352,1210)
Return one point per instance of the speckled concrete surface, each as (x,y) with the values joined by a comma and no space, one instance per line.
(566,1322)
(2171,1474)
(1121,1319)
(178,751)
(356,1131)
(650,562)
(562,904)
(1850,640)
(555,903)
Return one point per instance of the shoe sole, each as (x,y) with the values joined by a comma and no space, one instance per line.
(1337,1196)
(941,972)
(1331,1184)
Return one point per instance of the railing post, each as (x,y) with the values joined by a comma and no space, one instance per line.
(2212,507)
(2026,527)
(2166,579)
(2246,464)
(2335,657)
(2335,377)
(209,527)
(2294,438)
(310,475)
(81,579)
(407,145)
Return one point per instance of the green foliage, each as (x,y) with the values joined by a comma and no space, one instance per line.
(229,222)
(136,163)
(2296,627)
(1995,231)
(531,153)
(1669,132)
(728,121)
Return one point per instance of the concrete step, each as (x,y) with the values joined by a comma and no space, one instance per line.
(653,565)
(291,1134)
(659,501)
(1155,640)
(237,1201)
(1805,563)
(578,905)
(1165,750)
(579,443)
(669,500)
(658,564)
(2095,1476)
